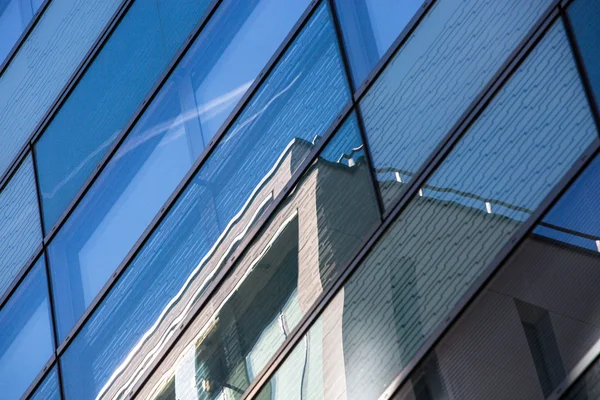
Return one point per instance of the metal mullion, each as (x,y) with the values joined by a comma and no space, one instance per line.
(115,145)
(477,106)
(191,173)
(40,378)
(581,68)
(68,88)
(372,176)
(24,35)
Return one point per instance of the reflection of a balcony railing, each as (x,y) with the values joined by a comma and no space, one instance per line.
(486,202)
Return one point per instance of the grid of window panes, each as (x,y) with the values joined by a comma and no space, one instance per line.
(184,182)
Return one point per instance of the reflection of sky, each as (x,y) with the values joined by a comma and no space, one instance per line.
(14,17)
(577,210)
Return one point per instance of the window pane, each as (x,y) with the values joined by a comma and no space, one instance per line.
(584,15)
(536,319)
(26,336)
(443,66)
(49,389)
(106,97)
(14,18)
(306,242)
(162,147)
(20,231)
(531,133)
(43,66)
(370,27)
(220,202)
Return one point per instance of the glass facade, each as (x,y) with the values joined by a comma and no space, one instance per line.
(276,199)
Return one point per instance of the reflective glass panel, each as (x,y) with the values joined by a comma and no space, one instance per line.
(221,203)
(370,27)
(48,389)
(114,85)
(534,322)
(584,16)
(14,18)
(20,230)
(305,244)
(26,342)
(430,82)
(162,147)
(531,133)
(43,66)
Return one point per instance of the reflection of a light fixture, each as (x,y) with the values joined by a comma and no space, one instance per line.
(488,207)
(598,245)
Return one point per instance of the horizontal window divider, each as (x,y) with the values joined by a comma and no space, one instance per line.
(433,161)
(24,35)
(190,174)
(40,377)
(114,147)
(66,90)
(391,51)
(21,275)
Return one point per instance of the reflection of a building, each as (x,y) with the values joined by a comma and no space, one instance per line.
(315,231)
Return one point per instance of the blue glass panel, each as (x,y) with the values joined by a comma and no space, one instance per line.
(306,242)
(14,18)
(162,147)
(107,95)
(48,389)
(43,65)
(223,200)
(584,16)
(370,27)
(20,230)
(26,342)
(443,66)
(511,157)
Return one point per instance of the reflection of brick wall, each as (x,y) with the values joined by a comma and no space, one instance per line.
(335,209)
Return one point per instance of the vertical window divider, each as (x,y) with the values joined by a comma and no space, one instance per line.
(361,128)
(581,68)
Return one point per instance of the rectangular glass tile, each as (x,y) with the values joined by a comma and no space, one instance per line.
(162,147)
(584,16)
(20,230)
(43,65)
(534,322)
(15,15)
(430,82)
(370,27)
(114,85)
(48,389)
(305,244)
(221,201)
(26,342)
(531,133)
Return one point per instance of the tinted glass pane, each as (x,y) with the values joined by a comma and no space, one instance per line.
(14,18)
(534,322)
(311,236)
(108,94)
(162,147)
(532,132)
(26,336)
(370,27)
(49,389)
(584,16)
(443,66)
(219,201)
(20,231)
(43,66)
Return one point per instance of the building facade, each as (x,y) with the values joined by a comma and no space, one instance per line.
(295,199)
